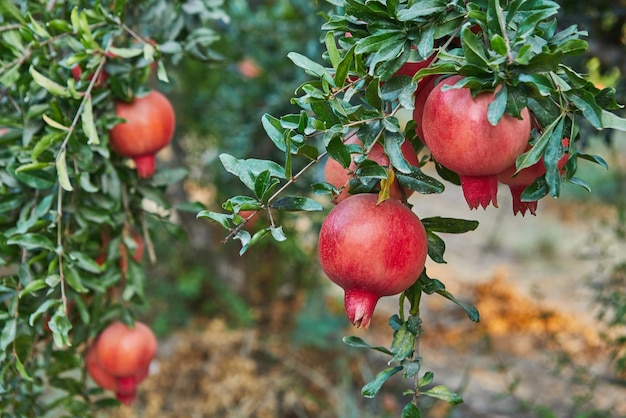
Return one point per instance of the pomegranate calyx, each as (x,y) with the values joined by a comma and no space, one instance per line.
(360,306)
(520,206)
(146,164)
(126,398)
(480,190)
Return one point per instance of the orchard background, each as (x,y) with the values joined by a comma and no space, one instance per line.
(260,334)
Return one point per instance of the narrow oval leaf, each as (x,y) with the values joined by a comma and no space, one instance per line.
(297,203)
(371,389)
(89,127)
(61,165)
(445,394)
(357,342)
(54,88)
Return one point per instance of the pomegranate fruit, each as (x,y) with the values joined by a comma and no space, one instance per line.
(371,250)
(124,351)
(120,357)
(148,128)
(338,176)
(518,183)
(460,137)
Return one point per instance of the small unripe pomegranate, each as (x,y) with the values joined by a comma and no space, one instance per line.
(371,250)
(460,137)
(149,127)
(338,176)
(518,183)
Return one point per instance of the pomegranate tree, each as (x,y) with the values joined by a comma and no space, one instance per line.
(147,128)
(120,357)
(460,137)
(339,177)
(371,250)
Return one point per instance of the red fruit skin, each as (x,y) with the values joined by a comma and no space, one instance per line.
(102,378)
(428,84)
(371,250)
(460,137)
(518,183)
(338,176)
(149,127)
(124,351)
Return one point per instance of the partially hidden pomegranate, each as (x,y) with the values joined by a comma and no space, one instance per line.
(148,128)
(518,183)
(120,357)
(427,85)
(460,137)
(371,250)
(338,176)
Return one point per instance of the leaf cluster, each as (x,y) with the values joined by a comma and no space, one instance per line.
(70,210)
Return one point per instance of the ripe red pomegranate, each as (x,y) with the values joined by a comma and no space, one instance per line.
(77,73)
(371,250)
(148,128)
(338,176)
(460,137)
(120,357)
(525,178)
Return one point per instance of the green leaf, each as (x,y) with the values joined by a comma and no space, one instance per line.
(311,67)
(54,88)
(357,342)
(339,152)
(126,52)
(9,331)
(21,370)
(403,344)
(296,203)
(393,143)
(426,380)
(89,127)
(496,108)
(220,218)
(420,182)
(84,262)
(411,411)
(449,225)
(61,166)
(74,281)
(54,124)
(471,311)
(421,9)
(586,102)
(444,393)
(475,52)
(32,287)
(277,233)
(331,47)
(371,389)
(32,241)
(436,247)
(248,170)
